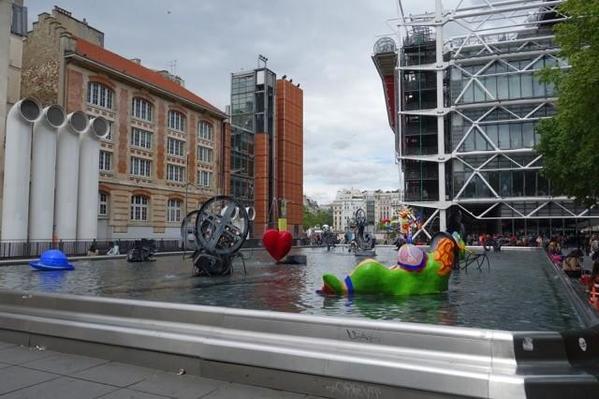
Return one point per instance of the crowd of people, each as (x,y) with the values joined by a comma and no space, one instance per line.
(572,263)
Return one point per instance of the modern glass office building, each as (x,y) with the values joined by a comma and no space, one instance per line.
(252,111)
(267,148)
(464,112)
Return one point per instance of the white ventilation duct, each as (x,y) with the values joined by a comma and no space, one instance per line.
(89,159)
(17,166)
(43,168)
(67,175)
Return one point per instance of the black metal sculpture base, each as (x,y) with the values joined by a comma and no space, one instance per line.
(294,260)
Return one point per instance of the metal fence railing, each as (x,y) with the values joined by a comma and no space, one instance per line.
(33,249)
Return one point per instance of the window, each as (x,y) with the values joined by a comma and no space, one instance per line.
(100,95)
(102,204)
(105,160)
(175,173)
(139,208)
(141,167)
(205,131)
(176,121)
(175,147)
(19,20)
(205,178)
(141,138)
(204,154)
(141,109)
(173,210)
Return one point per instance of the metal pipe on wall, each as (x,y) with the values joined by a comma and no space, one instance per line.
(67,176)
(17,167)
(89,159)
(43,172)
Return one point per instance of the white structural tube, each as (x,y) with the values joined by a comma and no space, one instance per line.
(67,176)
(89,159)
(17,165)
(43,169)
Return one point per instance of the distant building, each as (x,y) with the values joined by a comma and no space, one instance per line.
(310,204)
(165,152)
(387,206)
(13,28)
(267,148)
(378,205)
(346,203)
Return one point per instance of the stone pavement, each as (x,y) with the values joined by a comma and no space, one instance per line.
(40,374)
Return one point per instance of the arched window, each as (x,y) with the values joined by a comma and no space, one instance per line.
(99,95)
(139,208)
(141,109)
(103,201)
(176,121)
(205,130)
(173,210)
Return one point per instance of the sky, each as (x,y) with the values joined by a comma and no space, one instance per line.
(325,45)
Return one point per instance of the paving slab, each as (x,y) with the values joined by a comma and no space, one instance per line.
(182,387)
(61,363)
(129,394)
(62,388)
(237,391)
(6,345)
(24,373)
(117,374)
(20,355)
(16,377)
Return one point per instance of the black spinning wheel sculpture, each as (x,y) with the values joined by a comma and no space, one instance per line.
(216,232)
(363,242)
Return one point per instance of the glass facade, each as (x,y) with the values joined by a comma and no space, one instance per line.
(492,101)
(252,111)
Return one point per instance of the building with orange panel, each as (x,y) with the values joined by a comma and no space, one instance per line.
(267,148)
(290,152)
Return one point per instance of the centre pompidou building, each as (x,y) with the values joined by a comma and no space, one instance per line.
(463,100)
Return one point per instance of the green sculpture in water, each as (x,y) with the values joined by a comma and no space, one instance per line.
(417,273)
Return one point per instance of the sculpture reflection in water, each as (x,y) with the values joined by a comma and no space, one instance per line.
(216,233)
(431,309)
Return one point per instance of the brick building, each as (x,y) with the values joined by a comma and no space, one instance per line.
(267,148)
(165,153)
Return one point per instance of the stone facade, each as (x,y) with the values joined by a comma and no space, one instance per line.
(58,71)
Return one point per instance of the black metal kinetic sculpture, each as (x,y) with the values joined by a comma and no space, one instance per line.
(216,233)
(364,241)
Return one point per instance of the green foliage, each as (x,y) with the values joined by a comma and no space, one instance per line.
(317,218)
(570,140)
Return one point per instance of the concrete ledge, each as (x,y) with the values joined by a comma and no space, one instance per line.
(325,356)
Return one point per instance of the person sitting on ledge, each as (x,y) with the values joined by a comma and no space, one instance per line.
(114,249)
(572,263)
(93,249)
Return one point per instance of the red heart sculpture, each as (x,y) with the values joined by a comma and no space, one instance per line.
(277,243)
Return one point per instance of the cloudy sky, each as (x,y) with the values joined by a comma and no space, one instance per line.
(323,44)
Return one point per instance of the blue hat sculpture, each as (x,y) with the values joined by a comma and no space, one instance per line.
(52,259)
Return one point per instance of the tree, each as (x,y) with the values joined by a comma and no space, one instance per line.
(319,217)
(570,140)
